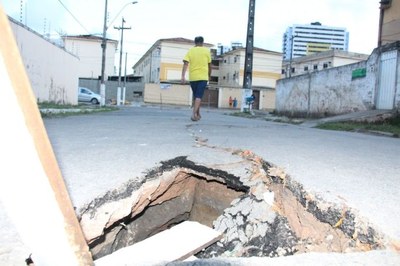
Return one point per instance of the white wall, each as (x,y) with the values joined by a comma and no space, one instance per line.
(397,96)
(173,94)
(52,71)
(330,91)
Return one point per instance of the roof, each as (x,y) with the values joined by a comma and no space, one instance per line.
(331,53)
(182,40)
(255,49)
(171,40)
(19,24)
(86,37)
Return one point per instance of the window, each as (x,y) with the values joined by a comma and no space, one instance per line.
(305,68)
(315,67)
(325,65)
(283,71)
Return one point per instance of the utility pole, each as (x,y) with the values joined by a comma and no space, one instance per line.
(248,66)
(103,58)
(124,89)
(104,46)
(122,28)
(126,59)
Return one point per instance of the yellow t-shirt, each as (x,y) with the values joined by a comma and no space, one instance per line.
(198,57)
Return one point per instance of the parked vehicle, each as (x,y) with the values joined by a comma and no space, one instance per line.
(86,95)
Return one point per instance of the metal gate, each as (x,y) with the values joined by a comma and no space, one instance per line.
(210,98)
(387,81)
(256,105)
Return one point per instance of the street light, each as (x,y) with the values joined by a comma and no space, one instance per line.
(104,46)
(130,3)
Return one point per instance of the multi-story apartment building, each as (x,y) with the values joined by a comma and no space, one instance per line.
(266,68)
(265,73)
(163,61)
(301,40)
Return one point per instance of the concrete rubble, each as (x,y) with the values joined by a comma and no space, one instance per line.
(273,217)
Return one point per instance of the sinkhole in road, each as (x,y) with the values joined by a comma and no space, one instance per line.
(187,197)
(265,214)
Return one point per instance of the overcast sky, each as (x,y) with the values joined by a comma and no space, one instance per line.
(219,21)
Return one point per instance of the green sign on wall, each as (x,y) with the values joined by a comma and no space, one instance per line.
(359,73)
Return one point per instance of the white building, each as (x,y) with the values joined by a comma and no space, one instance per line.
(320,61)
(301,40)
(88,49)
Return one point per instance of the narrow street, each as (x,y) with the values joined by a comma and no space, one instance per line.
(98,153)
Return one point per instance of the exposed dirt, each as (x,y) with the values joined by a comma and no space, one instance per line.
(314,235)
(295,222)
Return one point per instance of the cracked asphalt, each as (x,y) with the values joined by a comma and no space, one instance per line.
(99,152)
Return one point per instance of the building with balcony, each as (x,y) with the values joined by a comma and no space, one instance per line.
(163,62)
(266,71)
(160,69)
(266,68)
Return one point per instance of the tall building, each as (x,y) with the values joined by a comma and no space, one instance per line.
(301,40)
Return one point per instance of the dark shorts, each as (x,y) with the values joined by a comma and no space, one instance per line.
(198,88)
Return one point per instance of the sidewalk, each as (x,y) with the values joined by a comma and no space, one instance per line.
(370,115)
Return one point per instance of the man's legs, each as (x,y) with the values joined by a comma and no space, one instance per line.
(198,88)
(196,109)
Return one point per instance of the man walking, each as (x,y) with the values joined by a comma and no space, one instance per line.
(198,59)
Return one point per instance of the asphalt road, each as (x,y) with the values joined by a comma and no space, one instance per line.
(98,152)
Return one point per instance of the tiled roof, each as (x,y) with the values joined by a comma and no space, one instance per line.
(182,40)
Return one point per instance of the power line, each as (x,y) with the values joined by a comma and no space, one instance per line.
(73,16)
